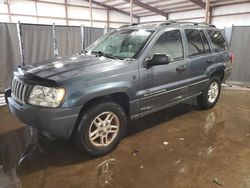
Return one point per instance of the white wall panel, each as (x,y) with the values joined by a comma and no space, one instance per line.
(23,7)
(51,10)
(187,14)
(228,21)
(231,9)
(87,24)
(55,1)
(119,17)
(24,19)
(4,18)
(193,20)
(51,21)
(49,13)
(78,12)
(175,16)
(99,24)
(115,25)
(152,18)
(218,21)
(82,3)
(3,8)
(79,23)
(99,14)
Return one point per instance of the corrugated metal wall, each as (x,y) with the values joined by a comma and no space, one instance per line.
(240,45)
(9,53)
(38,45)
(91,35)
(68,40)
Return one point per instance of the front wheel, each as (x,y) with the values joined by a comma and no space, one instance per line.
(101,128)
(211,94)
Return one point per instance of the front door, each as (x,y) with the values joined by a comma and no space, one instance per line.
(164,84)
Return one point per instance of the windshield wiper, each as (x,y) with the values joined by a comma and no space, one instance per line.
(100,53)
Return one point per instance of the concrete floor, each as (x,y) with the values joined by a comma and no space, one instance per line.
(177,147)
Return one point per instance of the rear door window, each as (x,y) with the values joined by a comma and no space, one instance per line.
(205,42)
(195,43)
(218,41)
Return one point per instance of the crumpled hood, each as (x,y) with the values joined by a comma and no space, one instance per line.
(62,69)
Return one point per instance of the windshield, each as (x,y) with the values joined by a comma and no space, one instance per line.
(126,43)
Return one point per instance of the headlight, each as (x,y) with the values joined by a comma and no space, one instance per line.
(46,96)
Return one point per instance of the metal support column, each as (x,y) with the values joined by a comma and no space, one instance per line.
(131,11)
(20,42)
(66,12)
(37,20)
(105,30)
(82,38)
(91,13)
(108,25)
(210,16)
(54,40)
(207,11)
(9,12)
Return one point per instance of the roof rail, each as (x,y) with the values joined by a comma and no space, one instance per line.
(169,22)
(128,25)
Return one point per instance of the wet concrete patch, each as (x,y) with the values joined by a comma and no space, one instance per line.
(201,146)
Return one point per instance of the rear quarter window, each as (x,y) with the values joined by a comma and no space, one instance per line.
(218,41)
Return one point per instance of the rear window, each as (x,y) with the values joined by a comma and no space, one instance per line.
(218,41)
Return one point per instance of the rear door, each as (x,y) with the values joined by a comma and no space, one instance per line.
(220,47)
(199,57)
(164,84)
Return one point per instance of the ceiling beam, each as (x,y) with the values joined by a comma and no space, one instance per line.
(148,7)
(172,11)
(111,8)
(199,3)
(119,4)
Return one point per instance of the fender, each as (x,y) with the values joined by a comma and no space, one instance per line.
(215,68)
(81,97)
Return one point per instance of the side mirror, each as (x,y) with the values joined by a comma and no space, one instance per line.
(157,59)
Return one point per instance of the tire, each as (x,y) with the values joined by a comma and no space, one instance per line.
(206,100)
(105,138)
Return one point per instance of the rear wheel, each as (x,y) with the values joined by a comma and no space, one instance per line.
(211,94)
(101,128)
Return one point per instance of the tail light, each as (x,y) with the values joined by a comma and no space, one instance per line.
(231,57)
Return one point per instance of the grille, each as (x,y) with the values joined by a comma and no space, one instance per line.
(19,90)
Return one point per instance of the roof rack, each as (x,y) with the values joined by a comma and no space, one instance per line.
(128,25)
(169,22)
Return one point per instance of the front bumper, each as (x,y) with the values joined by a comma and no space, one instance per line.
(59,122)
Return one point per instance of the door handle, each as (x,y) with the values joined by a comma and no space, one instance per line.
(211,60)
(181,68)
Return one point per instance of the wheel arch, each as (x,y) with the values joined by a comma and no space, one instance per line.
(219,73)
(121,98)
(217,70)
